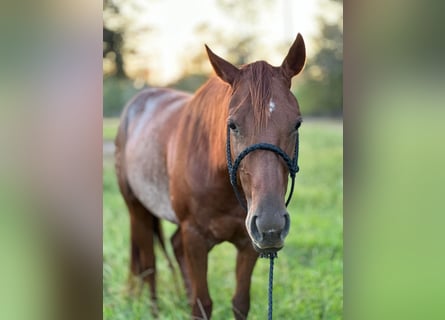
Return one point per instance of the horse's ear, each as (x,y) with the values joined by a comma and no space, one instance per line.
(225,70)
(295,59)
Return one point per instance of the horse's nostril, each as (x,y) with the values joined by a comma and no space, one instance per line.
(256,234)
(285,230)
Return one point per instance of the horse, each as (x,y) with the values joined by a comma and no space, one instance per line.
(171,163)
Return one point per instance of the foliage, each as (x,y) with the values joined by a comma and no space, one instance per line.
(113,40)
(116,93)
(322,85)
(190,83)
(124,27)
(308,273)
(112,50)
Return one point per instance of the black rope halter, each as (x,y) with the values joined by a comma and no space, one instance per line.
(292,165)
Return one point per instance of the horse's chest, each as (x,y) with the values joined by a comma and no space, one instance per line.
(226,228)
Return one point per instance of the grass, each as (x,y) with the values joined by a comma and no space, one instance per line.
(109,128)
(308,282)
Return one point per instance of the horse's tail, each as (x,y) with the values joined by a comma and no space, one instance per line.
(120,142)
(158,232)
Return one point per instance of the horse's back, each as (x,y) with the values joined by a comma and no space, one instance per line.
(147,123)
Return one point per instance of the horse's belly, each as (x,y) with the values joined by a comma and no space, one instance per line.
(149,182)
(145,155)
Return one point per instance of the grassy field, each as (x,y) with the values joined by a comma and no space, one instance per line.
(308,278)
(109,128)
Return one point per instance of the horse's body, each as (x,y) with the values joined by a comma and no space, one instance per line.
(150,118)
(171,164)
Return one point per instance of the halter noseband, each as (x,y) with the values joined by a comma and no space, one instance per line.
(233,167)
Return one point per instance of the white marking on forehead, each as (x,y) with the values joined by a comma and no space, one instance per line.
(271,106)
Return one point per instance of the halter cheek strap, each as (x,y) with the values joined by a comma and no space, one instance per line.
(233,167)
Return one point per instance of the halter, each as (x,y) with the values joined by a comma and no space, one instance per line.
(233,167)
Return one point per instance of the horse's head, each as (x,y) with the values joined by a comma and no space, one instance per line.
(263,110)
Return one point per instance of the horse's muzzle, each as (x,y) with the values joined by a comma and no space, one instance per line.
(269,238)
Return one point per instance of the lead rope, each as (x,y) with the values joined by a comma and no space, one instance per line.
(271,257)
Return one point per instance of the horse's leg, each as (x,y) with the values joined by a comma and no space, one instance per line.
(196,251)
(142,263)
(245,262)
(178,249)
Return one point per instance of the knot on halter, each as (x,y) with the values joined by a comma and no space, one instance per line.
(233,167)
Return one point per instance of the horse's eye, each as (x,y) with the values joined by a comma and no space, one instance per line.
(297,126)
(232,125)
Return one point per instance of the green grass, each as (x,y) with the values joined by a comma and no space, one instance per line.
(109,128)
(308,282)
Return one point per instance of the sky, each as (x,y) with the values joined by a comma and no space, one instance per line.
(173,38)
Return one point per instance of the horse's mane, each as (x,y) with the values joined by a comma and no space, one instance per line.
(204,124)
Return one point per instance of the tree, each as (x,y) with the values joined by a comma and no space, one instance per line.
(123,27)
(113,43)
(322,90)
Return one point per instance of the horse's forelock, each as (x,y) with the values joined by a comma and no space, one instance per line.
(258,77)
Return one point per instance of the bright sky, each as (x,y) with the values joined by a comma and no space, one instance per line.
(174,39)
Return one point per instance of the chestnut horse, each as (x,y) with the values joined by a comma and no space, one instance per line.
(171,164)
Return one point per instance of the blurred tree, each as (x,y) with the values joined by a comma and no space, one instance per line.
(244,42)
(112,50)
(322,88)
(113,41)
(319,88)
(123,28)
(237,43)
